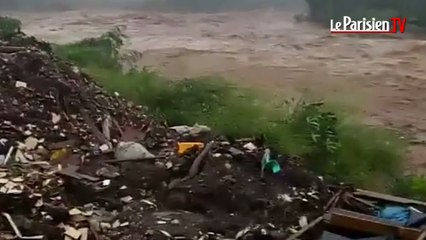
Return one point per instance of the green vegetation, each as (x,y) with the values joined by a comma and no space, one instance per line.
(324,10)
(412,186)
(332,146)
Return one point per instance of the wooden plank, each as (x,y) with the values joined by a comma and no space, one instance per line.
(370,224)
(386,197)
(422,236)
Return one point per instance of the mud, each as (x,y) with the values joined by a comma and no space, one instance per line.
(225,198)
(382,77)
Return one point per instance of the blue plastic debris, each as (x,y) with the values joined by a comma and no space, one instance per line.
(397,214)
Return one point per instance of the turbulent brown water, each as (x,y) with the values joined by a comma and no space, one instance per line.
(383,76)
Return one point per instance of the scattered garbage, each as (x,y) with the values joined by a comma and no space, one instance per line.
(360,214)
(268,163)
(183,147)
(77,163)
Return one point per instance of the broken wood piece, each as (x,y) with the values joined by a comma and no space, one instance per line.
(93,127)
(196,164)
(369,224)
(333,200)
(386,197)
(11,49)
(369,204)
(16,230)
(106,127)
(134,160)
(8,155)
(306,228)
(117,126)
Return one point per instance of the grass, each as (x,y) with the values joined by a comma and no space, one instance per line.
(341,150)
(332,146)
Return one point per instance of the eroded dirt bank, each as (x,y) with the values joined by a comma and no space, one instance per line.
(268,49)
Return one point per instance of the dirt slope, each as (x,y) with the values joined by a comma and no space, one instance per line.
(385,77)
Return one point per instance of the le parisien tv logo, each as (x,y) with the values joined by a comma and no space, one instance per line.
(370,26)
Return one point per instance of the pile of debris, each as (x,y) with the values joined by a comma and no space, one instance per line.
(79,163)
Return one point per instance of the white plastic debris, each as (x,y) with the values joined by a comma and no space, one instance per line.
(18,179)
(56,118)
(31,143)
(415,209)
(125,224)
(3,141)
(75,211)
(303,221)
(116,224)
(105,226)
(169,165)
(168,235)
(39,203)
(12,188)
(285,197)
(149,203)
(20,157)
(87,213)
(104,148)
(19,84)
(131,150)
(126,199)
(250,146)
(75,69)
(106,182)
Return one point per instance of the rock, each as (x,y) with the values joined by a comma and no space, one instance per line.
(131,150)
(195,130)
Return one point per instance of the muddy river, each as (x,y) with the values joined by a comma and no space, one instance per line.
(383,78)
